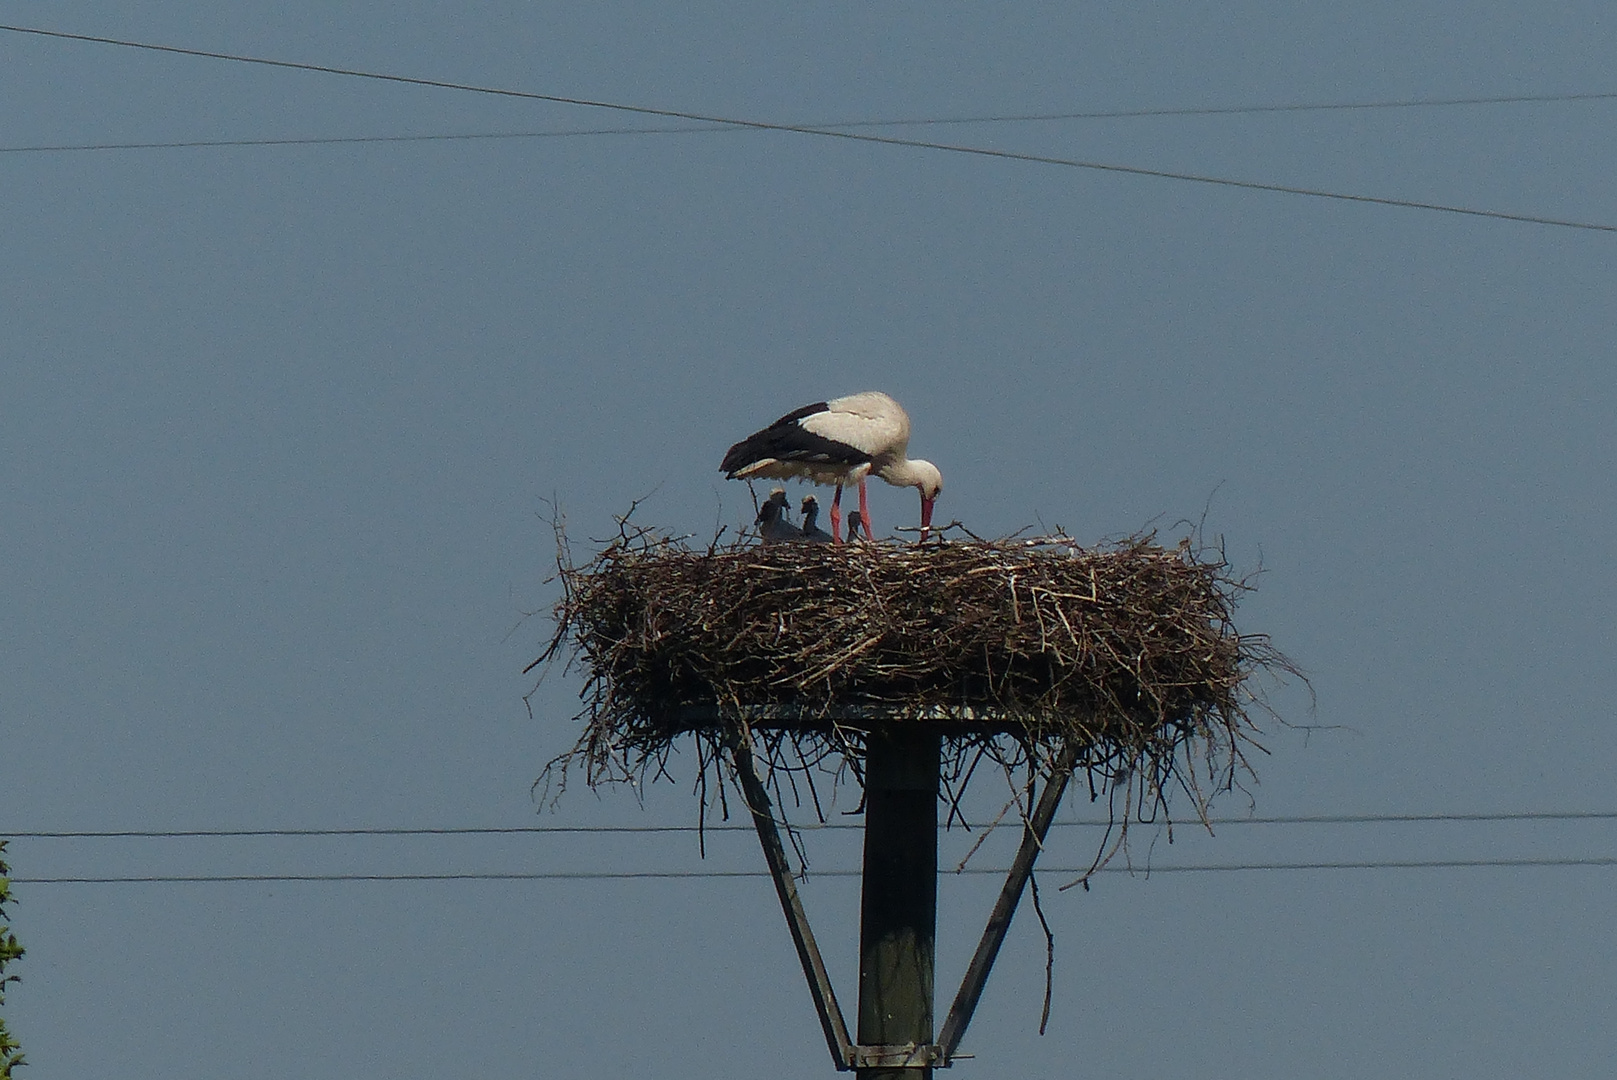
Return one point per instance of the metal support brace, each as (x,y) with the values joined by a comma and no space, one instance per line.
(843,1052)
(999,922)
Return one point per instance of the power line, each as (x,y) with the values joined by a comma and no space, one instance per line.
(636,875)
(341,139)
(998,118)
(1307,819)
(931,121)
(824,132)
(1237,110)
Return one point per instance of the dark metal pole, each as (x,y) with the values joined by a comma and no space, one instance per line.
(899,905)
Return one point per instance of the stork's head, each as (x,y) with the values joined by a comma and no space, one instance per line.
(929,482)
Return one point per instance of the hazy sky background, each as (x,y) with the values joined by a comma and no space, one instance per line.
(277,425)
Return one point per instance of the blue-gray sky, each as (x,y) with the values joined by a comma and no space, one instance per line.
(278,424)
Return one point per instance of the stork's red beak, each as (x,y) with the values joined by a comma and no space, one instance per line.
(926,515)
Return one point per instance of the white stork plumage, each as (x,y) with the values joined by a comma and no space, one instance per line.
(839,442)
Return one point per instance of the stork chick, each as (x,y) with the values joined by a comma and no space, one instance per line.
(810,528)
(772,522)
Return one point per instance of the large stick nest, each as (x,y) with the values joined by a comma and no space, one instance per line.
(1129,650)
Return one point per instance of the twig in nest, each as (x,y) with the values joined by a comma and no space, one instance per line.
(1049,952)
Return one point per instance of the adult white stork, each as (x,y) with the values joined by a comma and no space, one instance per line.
(838,442)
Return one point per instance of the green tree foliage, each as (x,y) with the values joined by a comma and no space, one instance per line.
(9,951)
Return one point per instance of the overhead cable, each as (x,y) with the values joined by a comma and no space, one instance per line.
(634,875)
(885,140)
(500,830)
(929,121)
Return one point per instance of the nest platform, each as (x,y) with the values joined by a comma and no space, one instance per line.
(1127,650)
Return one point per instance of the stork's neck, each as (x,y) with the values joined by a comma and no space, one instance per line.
(908,472)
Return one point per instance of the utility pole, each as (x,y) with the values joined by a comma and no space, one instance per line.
(899,903)
(1087,632)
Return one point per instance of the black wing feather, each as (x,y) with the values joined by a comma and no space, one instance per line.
(788,440)
(800,414)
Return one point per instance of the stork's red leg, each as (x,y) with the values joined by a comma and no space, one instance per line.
(836,516)
(864,511)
